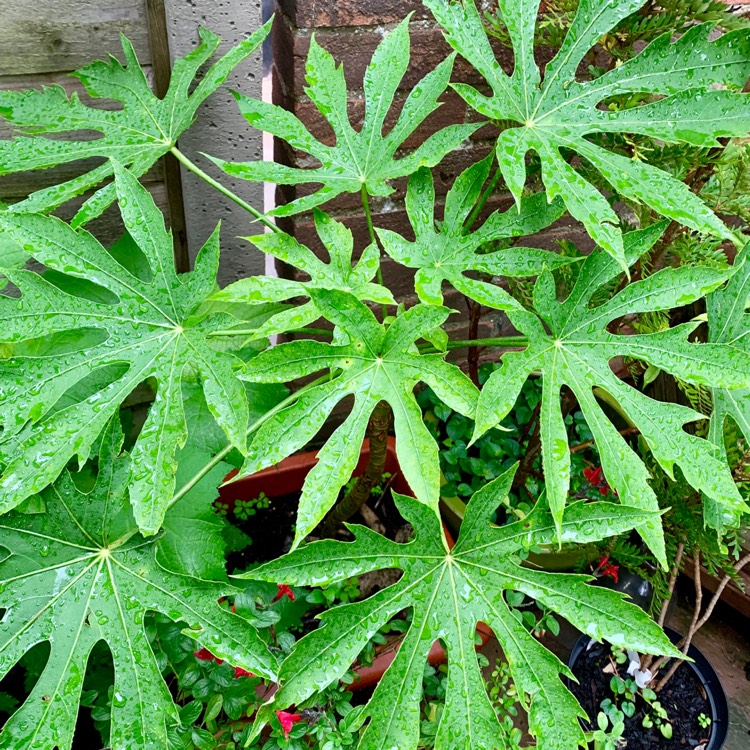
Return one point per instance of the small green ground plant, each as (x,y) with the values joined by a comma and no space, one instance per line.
(113,552)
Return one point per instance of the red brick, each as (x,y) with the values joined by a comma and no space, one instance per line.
(337,13)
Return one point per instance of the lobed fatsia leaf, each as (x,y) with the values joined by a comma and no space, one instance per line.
(360,159)
(729,324)
(558,111)
(137,134)
(124,332)
(375,364)
(570,344)
(447,251)
(449,593)
(79,574)
(337,274)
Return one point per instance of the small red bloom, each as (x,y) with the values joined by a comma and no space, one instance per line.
(205,655)
(596,479)
(240,672)
(283,590)
(606,568)
(287,721)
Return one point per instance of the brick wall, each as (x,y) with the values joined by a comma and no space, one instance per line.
(351,30)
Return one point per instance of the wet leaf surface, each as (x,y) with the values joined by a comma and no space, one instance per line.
(80,573)
(359,159)
(145,326)
(558,111)
(449,593)
(570,345)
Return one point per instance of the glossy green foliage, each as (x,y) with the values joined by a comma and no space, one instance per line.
(449,593)
(137,134)
(373,363)
(364,159)
(729,324)
(338,273)
(570,344)
(117,330)
(81,573)
(559,110)
(448,251)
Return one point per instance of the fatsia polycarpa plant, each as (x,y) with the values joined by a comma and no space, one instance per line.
(101,528)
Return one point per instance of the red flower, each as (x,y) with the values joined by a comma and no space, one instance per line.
(205,655)
(606,568)
(240,672)
(596,479)
(287,721)
(283,590)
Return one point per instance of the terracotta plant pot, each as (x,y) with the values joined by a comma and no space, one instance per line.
(287,477)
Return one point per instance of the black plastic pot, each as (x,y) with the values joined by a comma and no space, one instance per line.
(640,591)
(708,678)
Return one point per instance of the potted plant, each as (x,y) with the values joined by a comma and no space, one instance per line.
(105,527)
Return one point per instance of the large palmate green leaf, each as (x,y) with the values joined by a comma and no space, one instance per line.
(559,111)
(448,594)
(137,134)
(729,324)
(79,574)
(360,159)
(375,364)
(570,344)
(127,331)
(448,251)
(337,274)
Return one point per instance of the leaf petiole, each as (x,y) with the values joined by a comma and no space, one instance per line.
(196,170)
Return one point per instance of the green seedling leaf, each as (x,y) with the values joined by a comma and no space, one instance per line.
(446,252)
(81,573)
(360,159)
(142,328)
(570,344)
(449,593)
(138,134)
(689,104)
(338,273)
(373,364)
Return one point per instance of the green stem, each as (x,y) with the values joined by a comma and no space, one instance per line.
(222,454)
(502,342)
(253,331)
(195,169)
(373,236)
(482,202)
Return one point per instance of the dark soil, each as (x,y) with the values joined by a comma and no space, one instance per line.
(272,528)
(683,698)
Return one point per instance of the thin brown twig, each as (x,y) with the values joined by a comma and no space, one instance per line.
(647,660)
(588,443)
(698,623)
(688,639)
